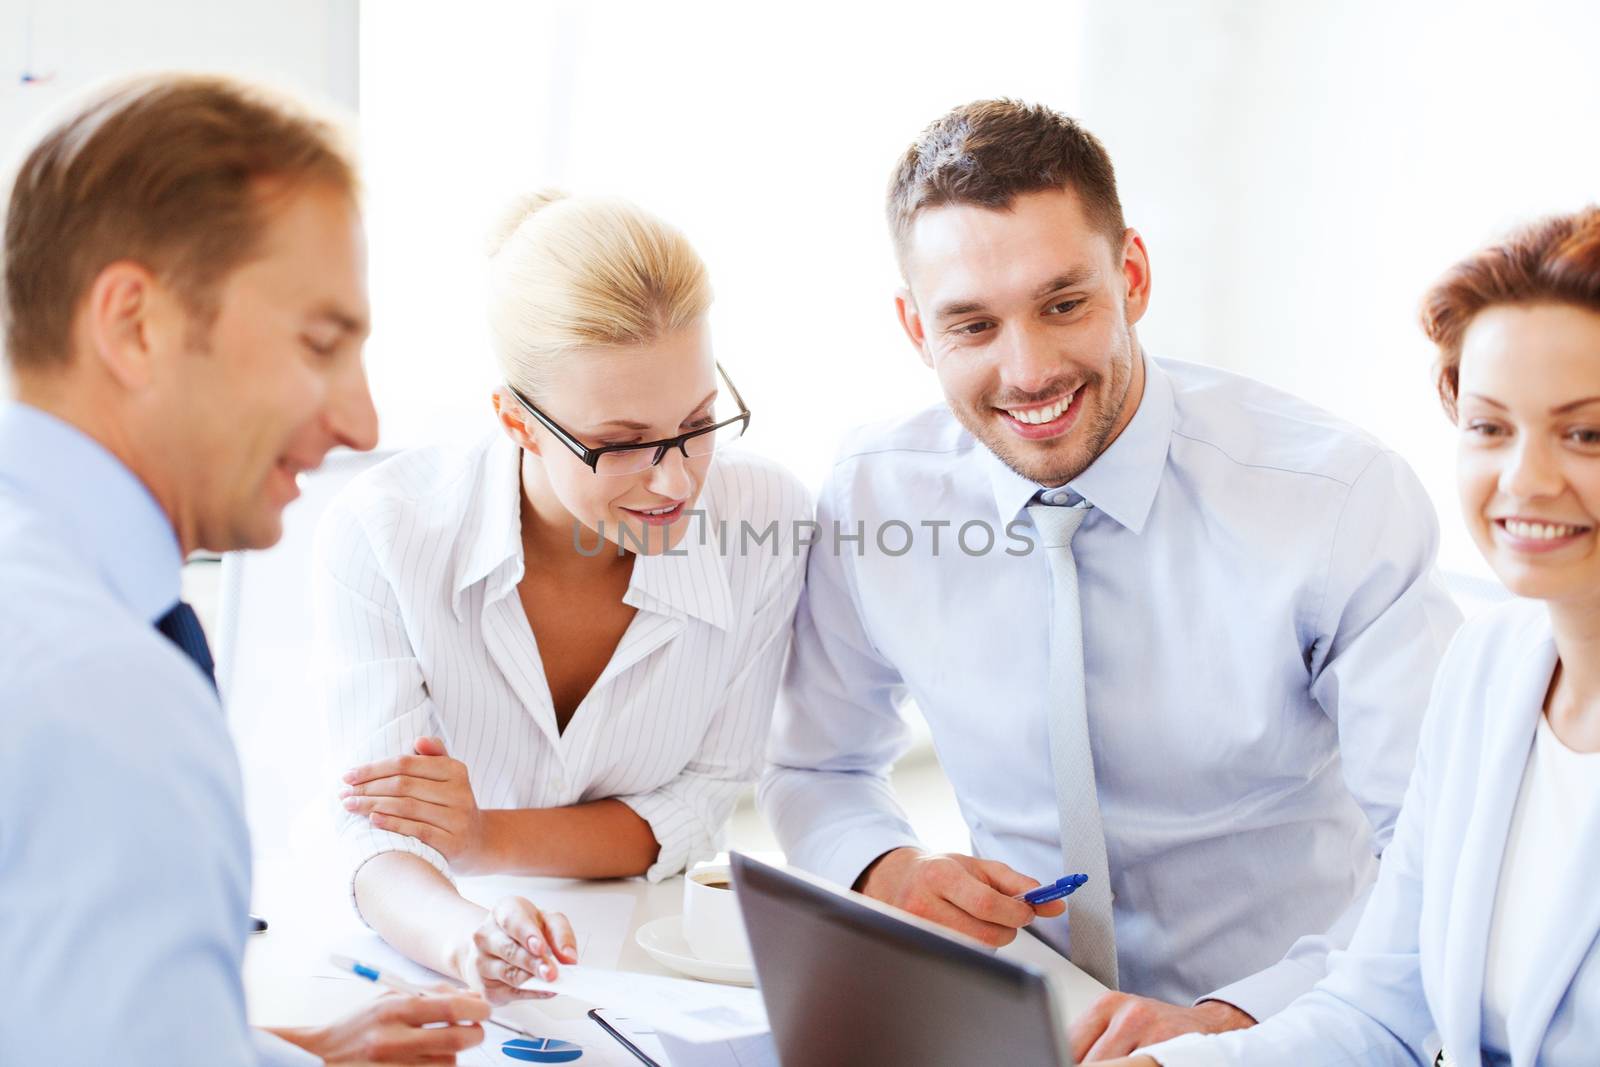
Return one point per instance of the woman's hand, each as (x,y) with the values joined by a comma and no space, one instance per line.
(514,942)
(398,1029)
(426,796)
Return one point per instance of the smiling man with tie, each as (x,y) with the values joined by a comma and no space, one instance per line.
(185,305)
(1193,666)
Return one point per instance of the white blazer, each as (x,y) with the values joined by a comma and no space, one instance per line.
(422,632)
(1412,980)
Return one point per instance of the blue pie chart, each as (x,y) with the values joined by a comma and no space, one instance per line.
(541,1050)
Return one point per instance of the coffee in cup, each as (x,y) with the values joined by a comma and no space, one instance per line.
(712,923)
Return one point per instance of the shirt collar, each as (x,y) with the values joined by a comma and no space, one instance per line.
(1122,481)
(493,530)
(104,510)
(691,581)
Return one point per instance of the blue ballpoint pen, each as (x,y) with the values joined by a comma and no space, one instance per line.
(400,985)
(1062,887)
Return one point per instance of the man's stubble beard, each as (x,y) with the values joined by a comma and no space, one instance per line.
(1094,433)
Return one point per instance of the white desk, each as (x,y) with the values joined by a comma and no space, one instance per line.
(288,982)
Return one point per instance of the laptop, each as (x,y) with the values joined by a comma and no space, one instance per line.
(848,981)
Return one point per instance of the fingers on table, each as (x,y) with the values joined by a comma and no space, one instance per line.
(525,923)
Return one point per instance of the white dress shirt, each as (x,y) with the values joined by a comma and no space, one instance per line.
(1261,620)
(1416,977)
(124,855)
(423,633)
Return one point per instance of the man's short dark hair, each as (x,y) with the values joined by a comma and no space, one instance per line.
(989,152)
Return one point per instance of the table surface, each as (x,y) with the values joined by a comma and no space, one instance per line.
(288,980)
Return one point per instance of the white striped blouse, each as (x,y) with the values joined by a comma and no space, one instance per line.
(422,633)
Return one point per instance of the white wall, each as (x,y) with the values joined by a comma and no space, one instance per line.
(767,133)
(1303,172)
(305,45)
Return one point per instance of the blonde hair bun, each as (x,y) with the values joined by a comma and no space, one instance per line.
(590,272)
(520,210)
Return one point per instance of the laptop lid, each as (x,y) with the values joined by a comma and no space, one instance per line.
(848,981)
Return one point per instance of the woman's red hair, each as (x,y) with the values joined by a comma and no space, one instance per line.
(1554,261)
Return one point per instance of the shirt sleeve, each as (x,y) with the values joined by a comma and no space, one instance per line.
(377,700)
(1382,627)
(124,866)
(838,728)
(1370,1008)
(688,813)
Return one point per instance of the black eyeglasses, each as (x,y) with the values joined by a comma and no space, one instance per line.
(616,460)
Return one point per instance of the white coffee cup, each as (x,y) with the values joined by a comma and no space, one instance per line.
(712,923)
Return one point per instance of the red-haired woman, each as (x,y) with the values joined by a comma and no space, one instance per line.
(1479,945)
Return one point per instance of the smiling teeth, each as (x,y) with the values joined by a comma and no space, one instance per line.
(658,511)
(1038,415)
(1539,531)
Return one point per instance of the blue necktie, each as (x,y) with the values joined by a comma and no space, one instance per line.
(181,626)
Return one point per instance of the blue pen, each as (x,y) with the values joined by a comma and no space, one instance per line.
(1062,887)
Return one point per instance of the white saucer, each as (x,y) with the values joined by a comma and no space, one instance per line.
(663,940)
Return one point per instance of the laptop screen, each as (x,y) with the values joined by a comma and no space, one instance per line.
(846,982)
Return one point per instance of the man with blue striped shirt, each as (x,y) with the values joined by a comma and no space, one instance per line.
(185,307)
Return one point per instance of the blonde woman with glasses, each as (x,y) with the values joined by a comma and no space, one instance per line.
(555,653)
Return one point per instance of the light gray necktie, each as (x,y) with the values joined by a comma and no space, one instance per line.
(1093,939)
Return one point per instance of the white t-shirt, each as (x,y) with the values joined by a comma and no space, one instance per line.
(1558,788)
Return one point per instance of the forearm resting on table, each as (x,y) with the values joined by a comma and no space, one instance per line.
(600,839)
(412,906)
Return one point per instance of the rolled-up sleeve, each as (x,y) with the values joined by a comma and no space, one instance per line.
(377,700)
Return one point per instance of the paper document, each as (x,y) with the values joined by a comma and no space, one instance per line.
(502,1048)
(602,921)
(694,1011)
(757,1051)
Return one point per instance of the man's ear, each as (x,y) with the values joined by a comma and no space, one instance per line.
(911,322)
(128,321)
(513,418)
(1136,274)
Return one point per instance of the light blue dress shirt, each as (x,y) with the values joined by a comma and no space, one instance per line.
(124,857)
(1261,620)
